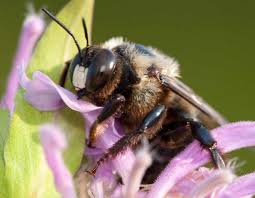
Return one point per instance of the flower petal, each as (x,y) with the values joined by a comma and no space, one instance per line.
(53,96)
(240,187)
(119,192)
(32,29)
(112,133)
(229,137)
(41,86)
(183,187)
(97,189)
(42,96)
(143,160)
(124,161)
(54,48)
(54,143)
(216,180)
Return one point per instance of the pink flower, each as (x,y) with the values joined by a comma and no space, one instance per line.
(184,176)
(181,177)
(54,142)
(32,29)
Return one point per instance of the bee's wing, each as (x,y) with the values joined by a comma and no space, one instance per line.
(189,95)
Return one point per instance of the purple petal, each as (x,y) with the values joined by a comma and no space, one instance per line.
(97,189)
(41,96)
(54,142)
(41,86)
(216,180)
(203,182)
(235,136)
(142,161)
(123,162)
(53,96)
(33,27)
(183,187)
(190,159)
(241,187)
(229,137)
(119,193)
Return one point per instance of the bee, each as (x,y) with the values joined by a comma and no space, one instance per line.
(140,86)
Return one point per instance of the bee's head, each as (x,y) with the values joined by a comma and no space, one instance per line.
(93,70)
(92,67)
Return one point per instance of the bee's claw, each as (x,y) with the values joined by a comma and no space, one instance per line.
(92,173)
(80,93)
(217,158)
(89,143)
(94,170)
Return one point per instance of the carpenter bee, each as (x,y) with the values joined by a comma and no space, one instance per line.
(140,86)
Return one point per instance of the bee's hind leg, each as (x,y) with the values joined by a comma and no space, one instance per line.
(203,135)
(199,132)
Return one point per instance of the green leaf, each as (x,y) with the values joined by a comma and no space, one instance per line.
(4,123)
(26,171)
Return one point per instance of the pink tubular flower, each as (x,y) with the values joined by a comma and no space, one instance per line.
(54,142)
(32,29)
(181,178)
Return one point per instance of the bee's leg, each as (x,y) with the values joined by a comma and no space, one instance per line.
(112,108)
(178,132)
(64,73)
(82,92)
(148,128)
(203,135)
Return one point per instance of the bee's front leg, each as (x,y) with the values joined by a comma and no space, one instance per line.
(148,128)
(62,79)
(112,108)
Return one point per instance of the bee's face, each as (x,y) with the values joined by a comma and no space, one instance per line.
(92,71)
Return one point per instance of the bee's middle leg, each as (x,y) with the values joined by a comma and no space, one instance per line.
(148,128)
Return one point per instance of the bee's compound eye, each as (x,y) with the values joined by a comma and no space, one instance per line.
(100,70)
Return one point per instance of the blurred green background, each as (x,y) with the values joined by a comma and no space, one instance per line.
(214,41)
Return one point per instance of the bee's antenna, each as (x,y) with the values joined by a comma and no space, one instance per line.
(86,36)
(85,31)
(65,28)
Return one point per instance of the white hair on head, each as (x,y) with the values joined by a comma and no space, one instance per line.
(79,77)
(113,42)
